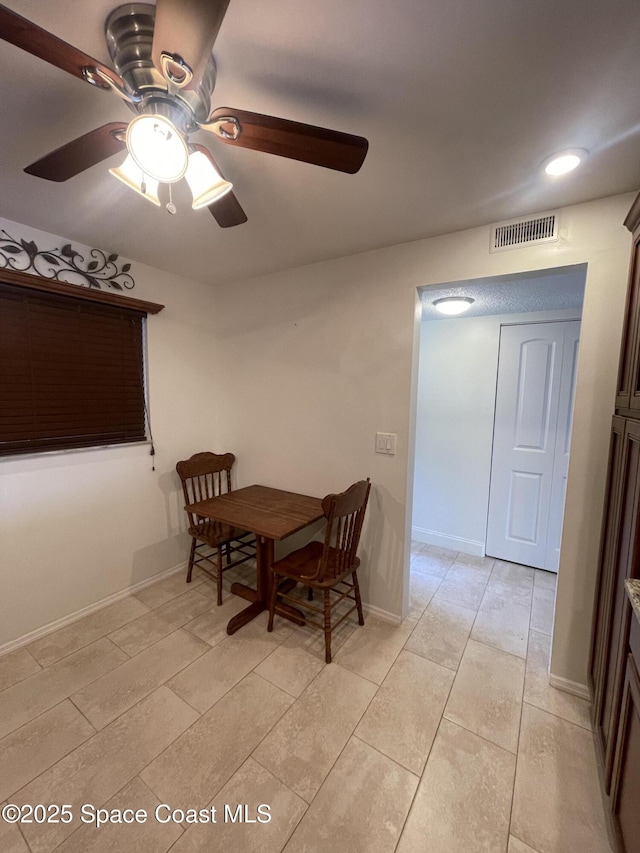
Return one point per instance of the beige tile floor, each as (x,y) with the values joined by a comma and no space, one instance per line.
(441,734)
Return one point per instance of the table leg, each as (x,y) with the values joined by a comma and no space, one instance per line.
(265,550)
(244,591)
(260,596)
(245,616)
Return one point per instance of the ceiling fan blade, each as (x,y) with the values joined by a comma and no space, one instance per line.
(226,210)
(317,145)
(28,36)
(81,153)
(186,30)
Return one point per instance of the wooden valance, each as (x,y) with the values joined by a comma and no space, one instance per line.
(48,285)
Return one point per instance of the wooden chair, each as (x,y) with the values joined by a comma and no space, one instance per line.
(325,566)
(207,475)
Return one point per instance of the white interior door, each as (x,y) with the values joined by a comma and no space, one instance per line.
(534,403)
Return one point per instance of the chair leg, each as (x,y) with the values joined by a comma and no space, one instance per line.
(356,590)
(327,626)
(272,600)
(191,559)
(219,576)
(309,593)
(227,549)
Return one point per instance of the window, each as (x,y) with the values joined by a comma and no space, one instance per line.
(71,367)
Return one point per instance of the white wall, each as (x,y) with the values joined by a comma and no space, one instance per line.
(454,426)
(78,526)
(295,372)
(315,360)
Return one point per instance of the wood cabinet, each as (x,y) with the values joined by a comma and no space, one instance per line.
(603,639)
(625,796)
(620,559)
(628,394)
(614,679)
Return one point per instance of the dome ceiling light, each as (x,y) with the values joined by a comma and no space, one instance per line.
(452,305)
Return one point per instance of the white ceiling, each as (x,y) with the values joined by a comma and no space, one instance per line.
(461,101)
(554,290)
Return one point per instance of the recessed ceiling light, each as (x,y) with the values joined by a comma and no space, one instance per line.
(453,304)
(564,162)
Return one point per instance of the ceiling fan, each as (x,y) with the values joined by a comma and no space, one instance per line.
(165,72)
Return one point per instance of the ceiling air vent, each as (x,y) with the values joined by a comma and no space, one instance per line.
(527,231)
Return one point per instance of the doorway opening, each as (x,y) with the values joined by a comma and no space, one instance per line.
(466,498)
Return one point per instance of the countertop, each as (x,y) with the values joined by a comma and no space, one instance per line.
(633,591)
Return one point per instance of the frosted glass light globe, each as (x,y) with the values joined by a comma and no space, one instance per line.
(158,148)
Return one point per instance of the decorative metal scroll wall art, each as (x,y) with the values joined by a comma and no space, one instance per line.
(65,264)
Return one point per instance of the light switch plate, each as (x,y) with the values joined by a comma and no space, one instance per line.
(386,443)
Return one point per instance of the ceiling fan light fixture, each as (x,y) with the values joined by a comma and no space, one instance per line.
(205,182)
(131,176)
(158,148)
(452,305)
(164,69)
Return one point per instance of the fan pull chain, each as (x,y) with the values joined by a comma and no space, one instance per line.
(171,208)
(143,183)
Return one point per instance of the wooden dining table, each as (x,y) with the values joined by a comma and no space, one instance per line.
(272,514)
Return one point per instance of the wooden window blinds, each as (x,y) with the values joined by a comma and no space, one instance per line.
(71,371)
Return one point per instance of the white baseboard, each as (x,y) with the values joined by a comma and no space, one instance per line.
(381,614)
(443,540)
(85,611)
(572,687)
(12,645)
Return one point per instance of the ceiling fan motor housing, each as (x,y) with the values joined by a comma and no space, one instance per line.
(129,36)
